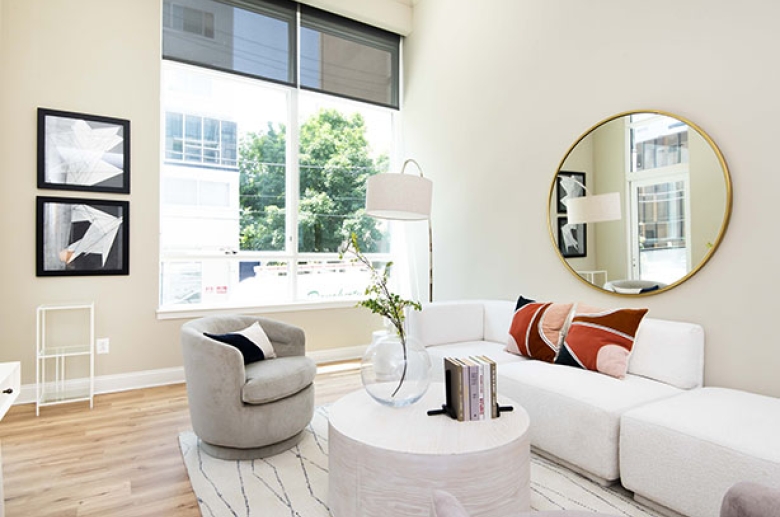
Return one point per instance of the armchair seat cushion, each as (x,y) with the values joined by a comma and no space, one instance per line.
(269,381)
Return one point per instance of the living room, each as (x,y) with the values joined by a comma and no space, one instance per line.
(493,98)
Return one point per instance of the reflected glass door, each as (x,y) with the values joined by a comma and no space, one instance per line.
(660,228)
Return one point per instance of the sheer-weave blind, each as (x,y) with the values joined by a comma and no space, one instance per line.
(254,38)
(259,38)
(347,58)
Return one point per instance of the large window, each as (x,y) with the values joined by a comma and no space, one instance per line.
(261,179)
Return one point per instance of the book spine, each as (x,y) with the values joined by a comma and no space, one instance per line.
(481,383)
(463,387)
(493,388)
(486,387)
(474,390)
(466,391)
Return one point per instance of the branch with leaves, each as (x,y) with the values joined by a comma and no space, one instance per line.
(380,299)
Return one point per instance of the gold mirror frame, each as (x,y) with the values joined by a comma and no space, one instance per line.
(552,202)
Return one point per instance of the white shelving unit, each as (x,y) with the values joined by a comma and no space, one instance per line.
(54,386)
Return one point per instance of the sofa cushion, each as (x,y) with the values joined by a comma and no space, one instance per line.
(670,352)
(536,330)
(601,340)
(575,413)
(685,452)
(447,322)
(492,350)
(252,342)
(268,381)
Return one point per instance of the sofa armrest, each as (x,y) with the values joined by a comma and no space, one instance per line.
(440,323)
(747,499)
(669,351)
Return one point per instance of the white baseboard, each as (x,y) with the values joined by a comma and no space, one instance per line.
(161,377)
(118,382)
(333,355)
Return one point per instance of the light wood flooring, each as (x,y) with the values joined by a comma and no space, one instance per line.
(119,459)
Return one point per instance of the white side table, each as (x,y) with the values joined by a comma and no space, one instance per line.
(387,461)
(10,384)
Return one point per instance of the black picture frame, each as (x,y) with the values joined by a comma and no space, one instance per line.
(576,245)
(82,152)
(82,237)
(561,191)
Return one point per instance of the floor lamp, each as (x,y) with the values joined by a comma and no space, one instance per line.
(403,197)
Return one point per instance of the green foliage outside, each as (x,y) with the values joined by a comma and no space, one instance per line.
(334,161)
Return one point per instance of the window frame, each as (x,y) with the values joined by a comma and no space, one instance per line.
(290,254)
(648,176)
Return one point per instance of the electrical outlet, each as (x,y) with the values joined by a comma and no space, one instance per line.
(102,345)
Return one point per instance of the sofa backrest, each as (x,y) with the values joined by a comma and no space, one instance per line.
(448,322)
(670,352)
(498,319)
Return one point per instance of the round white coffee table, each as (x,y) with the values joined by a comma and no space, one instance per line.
(387,461)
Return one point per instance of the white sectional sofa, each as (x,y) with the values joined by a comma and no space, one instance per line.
(575,414)
(676,445)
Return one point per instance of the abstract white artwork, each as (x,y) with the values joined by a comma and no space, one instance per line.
(82,237)
(83,152)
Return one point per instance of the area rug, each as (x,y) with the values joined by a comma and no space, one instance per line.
(295,483)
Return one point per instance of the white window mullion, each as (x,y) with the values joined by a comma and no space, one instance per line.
(292,187)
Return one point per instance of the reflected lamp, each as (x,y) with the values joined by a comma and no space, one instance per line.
(594,209)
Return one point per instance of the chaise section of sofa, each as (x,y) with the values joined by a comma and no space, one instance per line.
(575,414)
(684,453)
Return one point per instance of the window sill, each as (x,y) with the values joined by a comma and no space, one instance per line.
(200,311)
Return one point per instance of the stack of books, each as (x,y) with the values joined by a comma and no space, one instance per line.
(470,384)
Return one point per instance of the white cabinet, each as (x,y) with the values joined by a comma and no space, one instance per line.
(65,344)
(9,390)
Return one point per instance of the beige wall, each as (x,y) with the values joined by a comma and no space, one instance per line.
(497,92)
(100,57)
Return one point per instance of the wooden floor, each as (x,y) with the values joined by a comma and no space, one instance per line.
(119,459)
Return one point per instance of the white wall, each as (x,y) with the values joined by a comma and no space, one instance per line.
(100,57)
(496,92)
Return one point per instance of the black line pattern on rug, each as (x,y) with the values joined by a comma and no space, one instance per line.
(534,489)
(308,481)
(578,479)
(214,486)
(243,488)
(202,503)
(270,488)
(566,473)
(563,496)
(318,439)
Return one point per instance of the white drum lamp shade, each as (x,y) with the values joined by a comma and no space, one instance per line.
(594,209)
(399,196)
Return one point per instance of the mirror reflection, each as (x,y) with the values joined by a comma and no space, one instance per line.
(640,202)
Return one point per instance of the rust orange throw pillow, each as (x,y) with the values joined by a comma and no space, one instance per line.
(601,340)
(536,330)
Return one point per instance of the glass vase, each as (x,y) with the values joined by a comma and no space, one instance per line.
(395,375)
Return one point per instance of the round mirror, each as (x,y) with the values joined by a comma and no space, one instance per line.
(639,203)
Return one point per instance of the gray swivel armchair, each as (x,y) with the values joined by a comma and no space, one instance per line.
(252,411)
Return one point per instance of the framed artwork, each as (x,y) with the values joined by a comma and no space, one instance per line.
(83,152)
(568,184)
(572,239)
(79,237)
